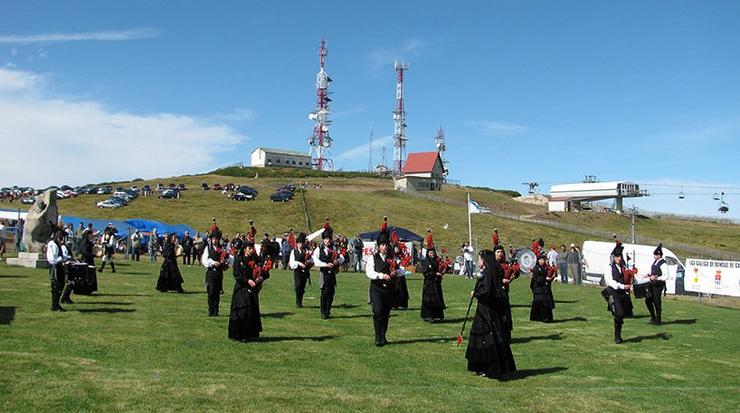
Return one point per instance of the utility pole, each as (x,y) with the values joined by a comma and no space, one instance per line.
(634,235)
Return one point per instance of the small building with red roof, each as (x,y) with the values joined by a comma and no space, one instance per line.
(423,171)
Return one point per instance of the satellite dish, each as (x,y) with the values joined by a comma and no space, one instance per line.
(324,128)
(312,116)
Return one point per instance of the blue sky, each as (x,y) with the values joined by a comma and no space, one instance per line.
(544,91)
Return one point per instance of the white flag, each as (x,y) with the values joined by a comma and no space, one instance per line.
(476,208)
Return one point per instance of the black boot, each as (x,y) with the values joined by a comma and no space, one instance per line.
(618,332)
(113,266)
(378,324)
(102,266)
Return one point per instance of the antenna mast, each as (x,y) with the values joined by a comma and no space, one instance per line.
(399,121)
(320,141)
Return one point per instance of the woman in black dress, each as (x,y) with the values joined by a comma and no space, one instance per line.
(402,293)
(432,300)
(489,349)
(542,301)
(170,278)
(245,323)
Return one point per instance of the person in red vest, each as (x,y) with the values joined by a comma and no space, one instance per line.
(495,237)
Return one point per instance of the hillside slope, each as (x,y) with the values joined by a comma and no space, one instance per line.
(357,204)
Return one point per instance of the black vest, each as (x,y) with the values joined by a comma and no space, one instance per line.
(617,274)
(381,266)
(299,255)
(655,269)
(324,257)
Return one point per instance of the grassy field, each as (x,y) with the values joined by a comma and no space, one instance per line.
(131,348)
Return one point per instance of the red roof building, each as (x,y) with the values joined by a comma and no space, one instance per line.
(423,171)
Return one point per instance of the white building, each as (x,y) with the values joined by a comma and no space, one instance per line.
(423,171)
(571,196)
(267,157)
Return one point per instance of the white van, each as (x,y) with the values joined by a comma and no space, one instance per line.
(596,260)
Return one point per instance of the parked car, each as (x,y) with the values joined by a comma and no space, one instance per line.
(160,186)
(280,197)
(181,187)
(146,188)
(246,190)
(170,193)
(243,197)
(172,186)
(118,200)
(204,187)
(108,204)
(287,193)
(105,191)
(123,194)
(229,187)
(28,200)
(216,187)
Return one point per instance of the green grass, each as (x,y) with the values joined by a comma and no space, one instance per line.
(131,348)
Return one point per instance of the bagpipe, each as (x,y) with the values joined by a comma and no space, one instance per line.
(552,272)
(307,259)
(223,259)
(443,265)
(260,272)
(511,270)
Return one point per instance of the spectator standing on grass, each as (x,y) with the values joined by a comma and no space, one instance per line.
(187,249)
(2,241)
(552,257)
(136,244)
(357,246)
(467,252)
(563,264)
(285,250)
(574,264)
(198,246)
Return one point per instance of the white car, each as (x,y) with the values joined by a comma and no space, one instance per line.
(121,194)
(107,204)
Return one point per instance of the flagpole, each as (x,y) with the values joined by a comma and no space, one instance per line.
(470,225)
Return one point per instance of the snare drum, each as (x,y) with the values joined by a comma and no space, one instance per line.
(640,290)
(97,250)
(178,251)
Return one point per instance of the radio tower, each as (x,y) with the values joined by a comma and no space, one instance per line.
(399,121)
(439,143)
(320,141)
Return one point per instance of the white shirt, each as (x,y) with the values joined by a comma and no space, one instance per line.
(294,263)
(663,270)
(552,258)
(53,255)
(610,281)
(468,253)
(66,256)
(317,253)
(205,259)
(370,268)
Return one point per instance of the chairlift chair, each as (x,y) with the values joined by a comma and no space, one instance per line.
(681,194)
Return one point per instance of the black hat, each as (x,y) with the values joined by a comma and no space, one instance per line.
(383,238)
(301,238)
(328,233)
(541,257)
(498,247)
(618,249)
(659,250)
(248,243)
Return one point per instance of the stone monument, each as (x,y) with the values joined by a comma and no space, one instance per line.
(38,229)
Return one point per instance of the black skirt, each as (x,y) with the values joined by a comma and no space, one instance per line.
(244,322)
(489,348)
(432,300)
(402,294)
(170,278)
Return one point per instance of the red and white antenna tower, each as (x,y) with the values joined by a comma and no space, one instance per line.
(320,140)
(399,121)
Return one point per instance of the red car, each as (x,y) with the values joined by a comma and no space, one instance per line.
(216,187)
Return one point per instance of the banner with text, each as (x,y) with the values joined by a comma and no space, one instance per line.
(712,277)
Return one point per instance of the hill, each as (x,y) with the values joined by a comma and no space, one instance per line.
(356,203)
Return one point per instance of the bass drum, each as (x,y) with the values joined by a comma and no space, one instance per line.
(178,251)
(526,259)
(98,250)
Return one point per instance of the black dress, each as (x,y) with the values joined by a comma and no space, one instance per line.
(432,300)
(542,300)
(170,278)
(489,349)
(244,321)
